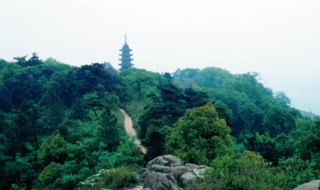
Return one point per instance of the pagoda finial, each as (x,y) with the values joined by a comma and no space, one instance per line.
(125,38)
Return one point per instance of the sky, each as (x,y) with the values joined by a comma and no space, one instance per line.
(279,39)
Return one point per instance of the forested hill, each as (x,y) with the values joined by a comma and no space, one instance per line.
(61,124)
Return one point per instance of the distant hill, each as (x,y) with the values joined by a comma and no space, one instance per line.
(308,114)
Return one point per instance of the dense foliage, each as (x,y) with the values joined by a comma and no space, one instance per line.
(164,110)
(260,120)
(59,125)
(199,136)
(241,171)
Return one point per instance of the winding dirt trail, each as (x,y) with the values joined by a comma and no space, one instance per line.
(128,125)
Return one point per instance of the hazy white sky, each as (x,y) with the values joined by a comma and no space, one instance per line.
(280,39)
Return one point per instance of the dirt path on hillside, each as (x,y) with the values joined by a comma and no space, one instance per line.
(128,125)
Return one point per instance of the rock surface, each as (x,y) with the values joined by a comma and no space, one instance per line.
(312,185)
(170,173)
(166,160)
(187,178)
(160,181)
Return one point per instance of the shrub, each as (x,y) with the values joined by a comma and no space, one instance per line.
(50,172)
(114,179)
(245,171)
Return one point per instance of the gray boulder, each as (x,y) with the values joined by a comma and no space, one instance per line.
(187,178)
(191,166)
(160,181)
(177,171)
(312,185)
(160,168)
(166,160)
(168,172)
(168,164)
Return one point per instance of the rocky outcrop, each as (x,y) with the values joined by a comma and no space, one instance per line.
(312,185)
(162,173)
(170,173)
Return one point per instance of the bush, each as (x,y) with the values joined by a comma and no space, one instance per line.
(245,171)
(50,172)
(114,179)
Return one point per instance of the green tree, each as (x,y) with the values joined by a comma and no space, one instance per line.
(189,73)
(308,141)
(299,171)
(21,60)
(53,110)
(199,136)
(93,102)
(53,149)
(263,144)
(195,97)
(279,120)
(33,61)
(165,110)
(212,77)
(241,171)
(141,81)
(108,131)
(282,99)
(50,173)
(22,128)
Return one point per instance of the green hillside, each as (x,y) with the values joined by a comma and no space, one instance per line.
(61,124)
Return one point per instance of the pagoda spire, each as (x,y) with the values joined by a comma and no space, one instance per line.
(125,55)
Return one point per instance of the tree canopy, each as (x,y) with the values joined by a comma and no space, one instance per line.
(199,136)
